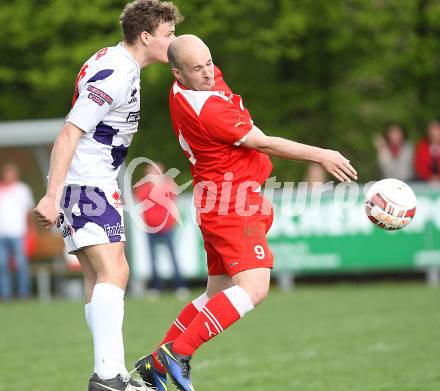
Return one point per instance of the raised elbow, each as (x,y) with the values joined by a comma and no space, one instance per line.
(258,141)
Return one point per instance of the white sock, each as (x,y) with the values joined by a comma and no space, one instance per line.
(239,299)
(200,301)
(87,312)
(106,318)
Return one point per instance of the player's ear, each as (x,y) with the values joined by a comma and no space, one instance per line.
(145,37)
(176,73)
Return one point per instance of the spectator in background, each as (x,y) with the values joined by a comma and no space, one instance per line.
(427,156)
(315,174)
(159,218)
(16,208)
(395,154)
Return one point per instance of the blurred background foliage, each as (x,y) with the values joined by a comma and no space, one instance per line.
(330,73)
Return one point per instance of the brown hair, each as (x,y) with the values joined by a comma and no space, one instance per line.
(146,15)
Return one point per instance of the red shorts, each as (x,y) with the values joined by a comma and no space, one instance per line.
(236,243)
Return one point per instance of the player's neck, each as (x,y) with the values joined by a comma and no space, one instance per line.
(139,54)
(134,52)
(6,183)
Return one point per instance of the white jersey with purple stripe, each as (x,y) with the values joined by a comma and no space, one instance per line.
(106,106)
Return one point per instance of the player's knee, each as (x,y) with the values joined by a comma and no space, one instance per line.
(124,272)
(114,273)
(258,293)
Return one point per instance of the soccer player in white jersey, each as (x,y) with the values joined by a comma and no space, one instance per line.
(85,161)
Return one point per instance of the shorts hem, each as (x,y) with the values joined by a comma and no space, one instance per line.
(243,269)
(232,273)
(71,250)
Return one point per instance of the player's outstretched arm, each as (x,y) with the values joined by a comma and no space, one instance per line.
(60,159)
(336,164)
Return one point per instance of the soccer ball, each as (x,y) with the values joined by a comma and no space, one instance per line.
(390,204)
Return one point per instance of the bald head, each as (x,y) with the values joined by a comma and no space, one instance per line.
(184,47)
(191,62)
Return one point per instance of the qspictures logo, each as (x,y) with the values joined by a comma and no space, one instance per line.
(296,198)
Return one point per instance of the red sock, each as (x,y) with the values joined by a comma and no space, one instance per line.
(181,323)
(189,312)
(218,314)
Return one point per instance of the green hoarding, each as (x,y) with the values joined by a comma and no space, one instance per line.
(330,236)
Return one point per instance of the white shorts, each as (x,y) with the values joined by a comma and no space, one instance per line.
(91,216)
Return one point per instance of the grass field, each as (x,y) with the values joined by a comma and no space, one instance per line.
(330,338)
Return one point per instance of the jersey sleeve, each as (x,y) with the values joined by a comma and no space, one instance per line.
(224,121)
(105,90)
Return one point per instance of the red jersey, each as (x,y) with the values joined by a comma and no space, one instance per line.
(210,127)
(427,160)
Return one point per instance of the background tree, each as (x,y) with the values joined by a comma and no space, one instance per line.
(330,73)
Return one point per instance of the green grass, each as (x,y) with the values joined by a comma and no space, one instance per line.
(331,338)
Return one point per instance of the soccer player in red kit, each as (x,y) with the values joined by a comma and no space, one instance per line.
(229,158)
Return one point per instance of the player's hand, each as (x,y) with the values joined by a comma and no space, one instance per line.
(338,166)
(47,212)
